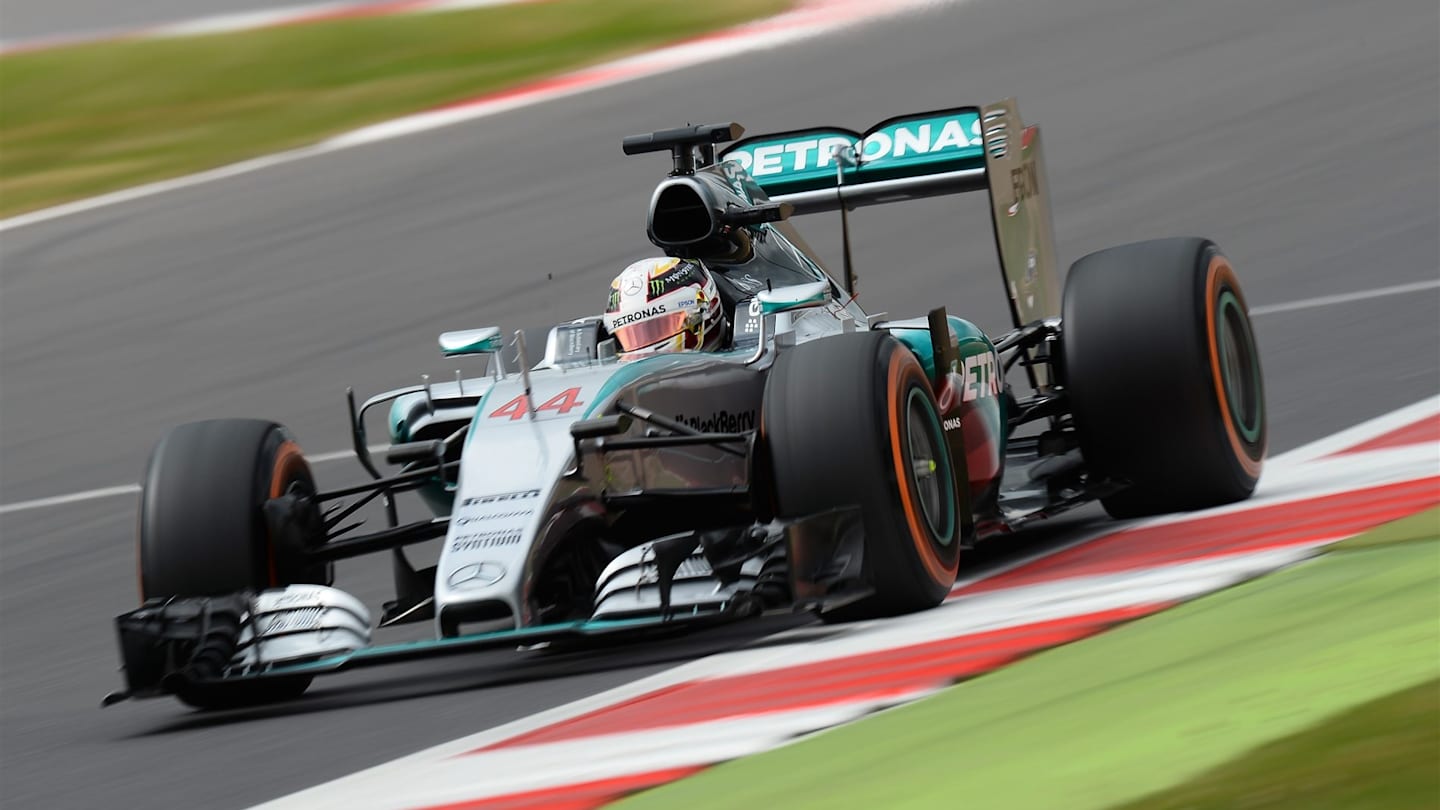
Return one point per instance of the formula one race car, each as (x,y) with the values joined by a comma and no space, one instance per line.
(823,459)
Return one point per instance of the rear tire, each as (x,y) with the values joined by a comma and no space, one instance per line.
(851,419)
(1163,375)
(202,529)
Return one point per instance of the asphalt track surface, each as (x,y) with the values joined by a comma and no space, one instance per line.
(35,19)
(1301,135)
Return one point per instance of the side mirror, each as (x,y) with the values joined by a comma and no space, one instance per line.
(409,452)
(485,340)
(788,299)
(757,214)
(571,344)
(599,426)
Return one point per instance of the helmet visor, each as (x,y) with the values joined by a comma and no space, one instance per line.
(640,334)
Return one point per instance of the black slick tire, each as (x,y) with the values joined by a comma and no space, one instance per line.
(202,531)
(851,419)
(1163,375)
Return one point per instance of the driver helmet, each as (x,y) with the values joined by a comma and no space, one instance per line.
(665,305)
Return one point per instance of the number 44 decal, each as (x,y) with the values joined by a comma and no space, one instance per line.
(563,402)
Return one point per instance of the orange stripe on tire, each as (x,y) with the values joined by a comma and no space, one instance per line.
(288,460)
(1219,270)
(934,566)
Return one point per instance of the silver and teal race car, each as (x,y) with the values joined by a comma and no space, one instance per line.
(825,459)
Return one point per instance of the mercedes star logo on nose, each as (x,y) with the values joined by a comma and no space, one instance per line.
(477,575)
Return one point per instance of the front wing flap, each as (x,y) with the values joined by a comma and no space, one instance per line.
(161,644)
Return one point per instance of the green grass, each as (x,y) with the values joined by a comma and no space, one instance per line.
(1381,754)
(80,120)
(1126,714)
(1416,528)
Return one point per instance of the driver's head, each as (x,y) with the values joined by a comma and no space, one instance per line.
(665,305)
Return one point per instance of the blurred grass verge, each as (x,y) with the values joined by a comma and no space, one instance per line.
(1381,754)
(1266,674)
(1418,527)
(81,120)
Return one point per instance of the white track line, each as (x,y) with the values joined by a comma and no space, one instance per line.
(160,187)
(1359,434)
(1345,298)
(73,497)
(1278,466)
(133,489)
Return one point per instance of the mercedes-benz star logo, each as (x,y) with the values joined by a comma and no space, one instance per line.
(477,575)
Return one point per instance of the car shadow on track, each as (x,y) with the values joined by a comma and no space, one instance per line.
(480,671)
(495,669)
(1038,540)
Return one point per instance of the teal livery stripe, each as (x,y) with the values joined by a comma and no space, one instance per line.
(910,146)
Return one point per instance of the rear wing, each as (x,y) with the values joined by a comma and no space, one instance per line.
(926,155)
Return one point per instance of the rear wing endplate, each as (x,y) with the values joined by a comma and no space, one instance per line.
(927,155)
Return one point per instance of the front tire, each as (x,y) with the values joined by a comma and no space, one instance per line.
(1163,375)
(203,533)
(852,420)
